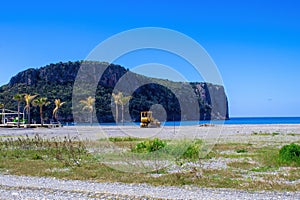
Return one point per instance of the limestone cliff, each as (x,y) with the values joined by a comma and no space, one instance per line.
(57,80)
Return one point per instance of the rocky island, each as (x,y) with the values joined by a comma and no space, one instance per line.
(57,81)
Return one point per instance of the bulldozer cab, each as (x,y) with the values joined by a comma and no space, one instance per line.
(146,114)
(147,120)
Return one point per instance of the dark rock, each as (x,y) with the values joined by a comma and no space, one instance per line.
(57,80)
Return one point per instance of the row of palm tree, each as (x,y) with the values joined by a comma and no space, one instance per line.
(36,102)
(88,104)
(119,99)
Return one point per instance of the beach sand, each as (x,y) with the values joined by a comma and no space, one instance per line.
(167,132)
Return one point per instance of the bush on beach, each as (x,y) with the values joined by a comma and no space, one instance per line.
(290,153)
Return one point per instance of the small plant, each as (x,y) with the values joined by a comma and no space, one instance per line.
(241,151)
(290,153)
(275,133)
(37,157)
(149,146)
(291,134)
(261,169)
(193,150)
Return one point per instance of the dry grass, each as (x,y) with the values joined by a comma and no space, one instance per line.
(244,165)
(256,168)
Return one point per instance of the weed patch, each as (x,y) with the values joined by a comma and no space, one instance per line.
(193,150)
(241,151)
(149,146)
(290,154)
(124,139)
(68,151)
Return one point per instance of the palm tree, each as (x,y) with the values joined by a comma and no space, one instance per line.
(58,104)
(2,107)
(28,98)
(18,98)
(123,101)
(117,102)
(88,104)
(40,102)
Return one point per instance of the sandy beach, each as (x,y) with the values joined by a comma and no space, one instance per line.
(166,132)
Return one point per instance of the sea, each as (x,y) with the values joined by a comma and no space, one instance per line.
(263,120)
(233,120)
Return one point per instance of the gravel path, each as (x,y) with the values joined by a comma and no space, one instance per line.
(22,187)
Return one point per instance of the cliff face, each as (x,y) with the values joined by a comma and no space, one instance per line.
(57,80)
(60,73)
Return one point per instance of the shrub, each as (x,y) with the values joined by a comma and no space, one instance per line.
(275,133)
(149,146)
(193,150)
(290,153)
(241,151)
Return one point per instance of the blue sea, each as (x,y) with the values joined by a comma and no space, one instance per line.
(263,120)
(241,120)
(233,120)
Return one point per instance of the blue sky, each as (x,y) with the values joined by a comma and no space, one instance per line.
(255,44)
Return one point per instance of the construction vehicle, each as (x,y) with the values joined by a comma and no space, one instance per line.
(148,121)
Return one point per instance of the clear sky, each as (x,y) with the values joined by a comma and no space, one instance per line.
(254,43)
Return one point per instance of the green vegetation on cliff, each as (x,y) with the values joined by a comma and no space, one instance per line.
(56,81)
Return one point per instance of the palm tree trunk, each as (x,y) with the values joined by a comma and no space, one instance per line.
(123,114)
(41,115)
(29,116)
(18,114)
(3,116)
(92,118)
(117,113)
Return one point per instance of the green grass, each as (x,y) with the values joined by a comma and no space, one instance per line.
(68,158)
(263,169)
(265,134)
(275,133)
(125,139)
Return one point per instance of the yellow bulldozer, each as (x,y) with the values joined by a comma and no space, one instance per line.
(147,121)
